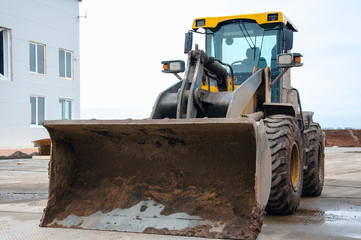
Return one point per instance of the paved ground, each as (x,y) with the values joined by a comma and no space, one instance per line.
(334,215)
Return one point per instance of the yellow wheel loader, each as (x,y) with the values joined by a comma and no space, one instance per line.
(222,145)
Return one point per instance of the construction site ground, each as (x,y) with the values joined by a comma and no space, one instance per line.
(336,214)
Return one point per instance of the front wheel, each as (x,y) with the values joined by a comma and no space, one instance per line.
(287,164)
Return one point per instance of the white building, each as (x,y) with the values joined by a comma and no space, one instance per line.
(39,68)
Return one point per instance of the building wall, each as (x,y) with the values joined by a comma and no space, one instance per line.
(55,24)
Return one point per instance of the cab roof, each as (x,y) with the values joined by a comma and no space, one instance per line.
(260,18)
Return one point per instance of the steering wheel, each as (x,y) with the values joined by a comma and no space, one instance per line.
(236,63)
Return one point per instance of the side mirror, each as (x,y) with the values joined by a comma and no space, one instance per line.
(288,40)
(188,42)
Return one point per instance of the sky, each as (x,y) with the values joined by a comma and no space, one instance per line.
(122,44)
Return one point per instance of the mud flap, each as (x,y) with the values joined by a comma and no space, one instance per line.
(190,177)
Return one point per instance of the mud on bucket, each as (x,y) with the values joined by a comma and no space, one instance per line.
(200,177)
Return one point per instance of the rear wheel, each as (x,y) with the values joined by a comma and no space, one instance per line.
(287,164)
(315,172)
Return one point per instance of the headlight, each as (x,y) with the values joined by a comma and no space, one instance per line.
(289,60)
(173,66)
(284,59)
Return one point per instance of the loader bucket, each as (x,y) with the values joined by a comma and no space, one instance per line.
(191,177)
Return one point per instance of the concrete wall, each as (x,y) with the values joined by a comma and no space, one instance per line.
(55,24)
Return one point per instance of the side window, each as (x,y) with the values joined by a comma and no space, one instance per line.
(37,110)
(65,108)
(66,64)
(5,54)
(37,53)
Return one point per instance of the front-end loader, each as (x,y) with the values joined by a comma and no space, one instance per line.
(222,145)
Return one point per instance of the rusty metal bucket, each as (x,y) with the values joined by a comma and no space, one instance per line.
(191,177)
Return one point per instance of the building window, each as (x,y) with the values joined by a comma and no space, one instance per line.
(66,64)
(37,109)
(37,53)
(4,54)
(65,108)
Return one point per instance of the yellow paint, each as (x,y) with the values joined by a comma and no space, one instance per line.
(260,18)
(215,88)
(245,110)
(294,175)
(295,167)
(212,88)
(229,84)
(250,108)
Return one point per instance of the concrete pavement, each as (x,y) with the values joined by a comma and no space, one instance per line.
(336,214)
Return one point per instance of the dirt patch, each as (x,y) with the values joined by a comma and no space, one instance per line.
(343,138)
(18,155)
(208,203)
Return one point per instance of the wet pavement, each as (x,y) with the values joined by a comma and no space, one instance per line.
(336,214)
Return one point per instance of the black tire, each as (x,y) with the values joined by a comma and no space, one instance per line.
(287,164)
(314,174)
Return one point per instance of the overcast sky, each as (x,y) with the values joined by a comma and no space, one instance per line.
(122,44)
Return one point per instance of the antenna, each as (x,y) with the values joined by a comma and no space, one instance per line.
(85,16)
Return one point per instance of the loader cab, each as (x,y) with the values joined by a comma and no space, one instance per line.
(247,42)
(244,44)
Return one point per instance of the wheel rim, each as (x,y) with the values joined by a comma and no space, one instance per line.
(295,167)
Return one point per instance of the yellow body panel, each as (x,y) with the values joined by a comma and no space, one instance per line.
(250,106)
(260,18)
(215,88)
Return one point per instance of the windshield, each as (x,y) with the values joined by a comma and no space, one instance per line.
(244,45)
